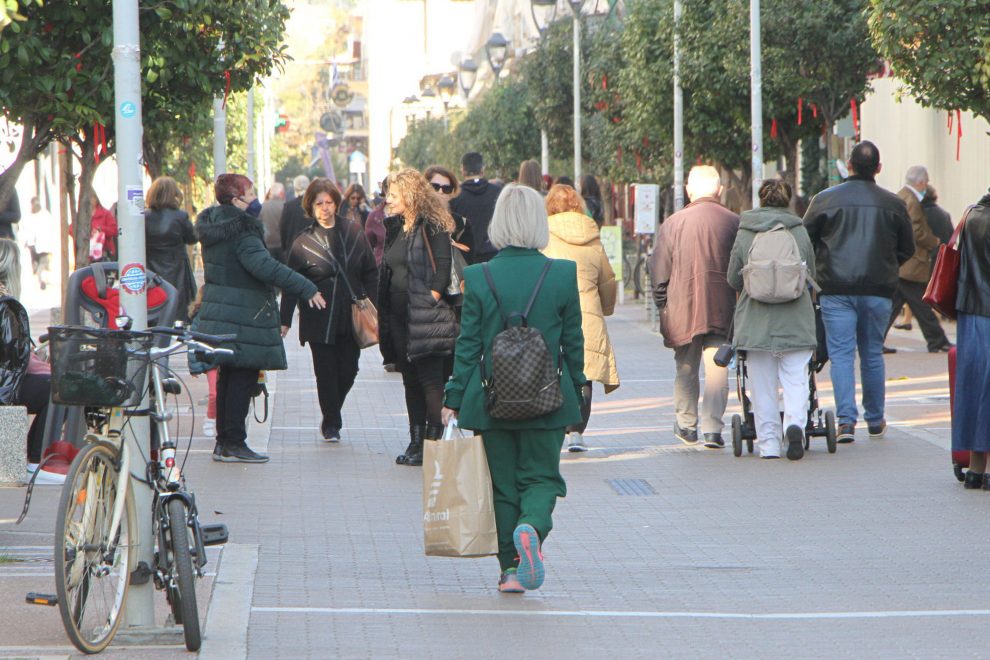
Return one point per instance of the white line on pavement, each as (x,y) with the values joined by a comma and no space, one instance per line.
(888,614)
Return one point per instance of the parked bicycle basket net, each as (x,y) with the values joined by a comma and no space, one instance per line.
(98,367)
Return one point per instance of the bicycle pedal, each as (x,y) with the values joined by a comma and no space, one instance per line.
(51,600)
(215,534)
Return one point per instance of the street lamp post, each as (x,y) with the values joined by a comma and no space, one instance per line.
(428,96)
(496,49)
(446,86)
(543,13)
(467,73)
(678,114)
(576,9)
(756,98)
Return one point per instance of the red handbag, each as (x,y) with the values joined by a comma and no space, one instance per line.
(941,291)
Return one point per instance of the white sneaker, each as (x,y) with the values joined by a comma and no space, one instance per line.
(44,477)
(575,442)
(210,428)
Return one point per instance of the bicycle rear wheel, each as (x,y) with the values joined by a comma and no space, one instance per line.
(92,570)
(183,595)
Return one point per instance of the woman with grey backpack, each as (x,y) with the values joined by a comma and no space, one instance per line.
(771,266)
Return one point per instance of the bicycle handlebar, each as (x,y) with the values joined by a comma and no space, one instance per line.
(195,336)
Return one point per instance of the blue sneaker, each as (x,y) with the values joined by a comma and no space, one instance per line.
(531,572)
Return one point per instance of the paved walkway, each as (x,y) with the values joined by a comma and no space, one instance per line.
(658,550)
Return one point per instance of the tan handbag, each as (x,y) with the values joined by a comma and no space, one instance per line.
(365,319)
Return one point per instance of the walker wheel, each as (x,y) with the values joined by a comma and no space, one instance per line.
(737,435)
(830,431)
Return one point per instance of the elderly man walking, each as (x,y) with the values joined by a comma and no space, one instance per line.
(861,234)
(915,272)
(696,302)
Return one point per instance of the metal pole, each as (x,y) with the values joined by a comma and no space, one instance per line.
(250,144)
(219,138)
(756,98)
(140,608)
(577,97)
(545,152)
(678,114)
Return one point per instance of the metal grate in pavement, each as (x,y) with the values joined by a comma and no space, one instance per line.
(631,486)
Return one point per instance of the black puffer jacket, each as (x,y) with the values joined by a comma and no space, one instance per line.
(309,257)
(973,295)
(861,234)
(431,325)
(15,349)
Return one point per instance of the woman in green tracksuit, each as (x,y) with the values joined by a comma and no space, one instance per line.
(523,455)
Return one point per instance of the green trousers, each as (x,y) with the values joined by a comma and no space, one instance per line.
(526,482)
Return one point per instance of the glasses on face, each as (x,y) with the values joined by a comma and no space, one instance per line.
(444,188)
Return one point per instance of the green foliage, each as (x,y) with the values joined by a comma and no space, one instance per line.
(939,48)
(501,125)
(428,143)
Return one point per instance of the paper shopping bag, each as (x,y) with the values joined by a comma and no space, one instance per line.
(458,513)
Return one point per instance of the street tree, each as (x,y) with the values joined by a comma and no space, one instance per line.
(938,48)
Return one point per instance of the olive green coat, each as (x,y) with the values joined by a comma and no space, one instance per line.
(556,313)
(779,327)
(239,294)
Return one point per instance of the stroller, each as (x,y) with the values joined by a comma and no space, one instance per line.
(820,423)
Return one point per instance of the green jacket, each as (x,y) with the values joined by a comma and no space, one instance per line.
(238,296)
(556,313)
(761,326)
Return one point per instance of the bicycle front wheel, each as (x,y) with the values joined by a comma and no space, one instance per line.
(183,595)
(92,570)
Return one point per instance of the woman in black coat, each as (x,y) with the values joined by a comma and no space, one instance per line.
(418,328)
(335,255)
(168,231)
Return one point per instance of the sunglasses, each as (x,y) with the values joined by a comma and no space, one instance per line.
(444,188)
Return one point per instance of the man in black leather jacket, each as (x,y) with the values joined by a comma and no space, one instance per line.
(861,234)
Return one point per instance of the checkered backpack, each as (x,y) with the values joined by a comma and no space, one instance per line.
(521,381)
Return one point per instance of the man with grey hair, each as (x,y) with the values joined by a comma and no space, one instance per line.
(271,216)
(294,219)
(696,302)
(914,273)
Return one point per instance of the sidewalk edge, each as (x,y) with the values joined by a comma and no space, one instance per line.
(230,606)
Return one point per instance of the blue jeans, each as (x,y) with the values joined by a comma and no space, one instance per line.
(853,322)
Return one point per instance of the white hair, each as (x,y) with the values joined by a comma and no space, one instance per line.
(520,219)
(916,175)
(277,191)
(300,183)
(703,181)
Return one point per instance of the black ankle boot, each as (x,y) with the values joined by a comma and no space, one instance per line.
(415,447)
(431,433)
(974,480)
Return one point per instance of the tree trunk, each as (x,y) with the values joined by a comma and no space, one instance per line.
(789,148)
(153,157)
(27,152)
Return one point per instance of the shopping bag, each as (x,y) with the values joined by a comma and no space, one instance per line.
(943,284)
(458,513)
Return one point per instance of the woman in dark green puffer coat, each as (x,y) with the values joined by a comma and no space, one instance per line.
(239,298)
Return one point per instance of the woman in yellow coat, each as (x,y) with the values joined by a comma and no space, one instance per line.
(575,236)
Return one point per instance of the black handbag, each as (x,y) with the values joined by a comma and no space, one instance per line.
(521,381)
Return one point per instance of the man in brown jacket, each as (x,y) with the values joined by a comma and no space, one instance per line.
(696,302)
(915,272)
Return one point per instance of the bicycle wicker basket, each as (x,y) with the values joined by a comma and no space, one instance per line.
(98,367)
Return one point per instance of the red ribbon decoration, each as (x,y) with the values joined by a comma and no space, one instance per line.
(226,91)
(79,64)
(773,129)
(192,170)
(958,132)
(814,110)
(949,121)
(605,81)
(800,109)
(99,141)
(855,116)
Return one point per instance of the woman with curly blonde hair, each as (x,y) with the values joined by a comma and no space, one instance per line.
(417,327)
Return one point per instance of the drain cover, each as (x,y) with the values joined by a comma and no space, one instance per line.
(631,486)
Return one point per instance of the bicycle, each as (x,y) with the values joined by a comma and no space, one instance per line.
(104,370)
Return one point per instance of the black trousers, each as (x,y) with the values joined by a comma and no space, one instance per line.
(234,386)
(585,411)
(34,395)
(423,380)
(911,293)
(335,367)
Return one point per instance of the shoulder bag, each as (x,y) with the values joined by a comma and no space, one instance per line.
(944,282)
(454,294)
(364,316)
